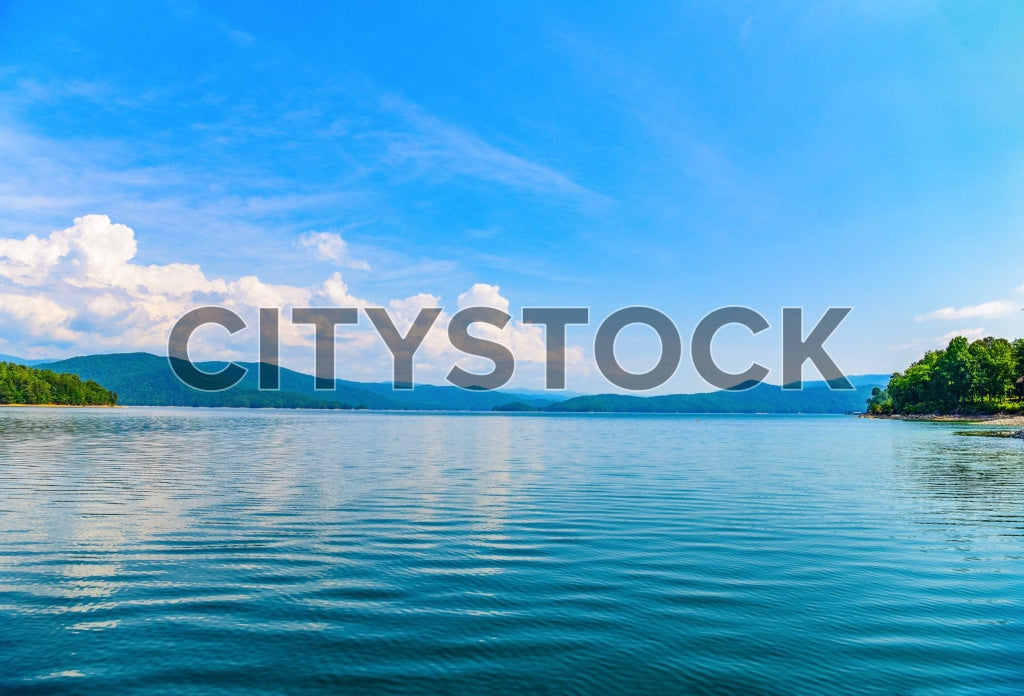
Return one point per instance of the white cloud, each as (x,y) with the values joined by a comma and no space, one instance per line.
(922,344)
(36,316)
(969,334)
(77,289)
(440,149)
(986,310)
(483,295)
(526,341)
(329,246)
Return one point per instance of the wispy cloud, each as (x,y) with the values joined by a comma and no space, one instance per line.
(231,182)
(922,344)
(440,149)
(986,310)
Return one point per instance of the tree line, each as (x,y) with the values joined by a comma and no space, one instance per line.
(979,376)
(21,384)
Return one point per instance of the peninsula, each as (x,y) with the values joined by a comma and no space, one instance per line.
(22,385)
(980,379)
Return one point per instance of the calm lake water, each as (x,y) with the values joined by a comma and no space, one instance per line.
(190,551)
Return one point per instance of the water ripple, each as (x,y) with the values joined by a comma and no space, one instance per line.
(191,551)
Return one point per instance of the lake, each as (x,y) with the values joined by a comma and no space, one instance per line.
(221,551)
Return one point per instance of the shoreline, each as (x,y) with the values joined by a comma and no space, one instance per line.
(1009,419)
(60,406)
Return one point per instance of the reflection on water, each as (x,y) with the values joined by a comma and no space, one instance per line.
(966,480)
(218,551)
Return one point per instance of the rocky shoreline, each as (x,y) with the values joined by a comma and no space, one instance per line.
(1009,419)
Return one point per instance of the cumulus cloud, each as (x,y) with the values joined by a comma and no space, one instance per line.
(986,310)
(483,295)
(38,316)
(526,341)
(79,289)
(329,246)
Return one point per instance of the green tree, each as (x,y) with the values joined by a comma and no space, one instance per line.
(1018,356)
(20,384)
(915,390)
(996,368)
(879,402)
(956,371)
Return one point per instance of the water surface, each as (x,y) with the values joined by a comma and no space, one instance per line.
(192,551)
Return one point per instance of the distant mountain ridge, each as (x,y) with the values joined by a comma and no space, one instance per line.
(763,398)
(24,361)
(143,379)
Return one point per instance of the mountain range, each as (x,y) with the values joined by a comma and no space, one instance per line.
(143,379)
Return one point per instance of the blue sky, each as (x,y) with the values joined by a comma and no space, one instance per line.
(681,156)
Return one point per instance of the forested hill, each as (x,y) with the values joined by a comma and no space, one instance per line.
(147,380)
(21,384)
(764,398)
(965,377)
(143,379)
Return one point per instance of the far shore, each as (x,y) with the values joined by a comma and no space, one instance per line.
(1009,419)
(59,406)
